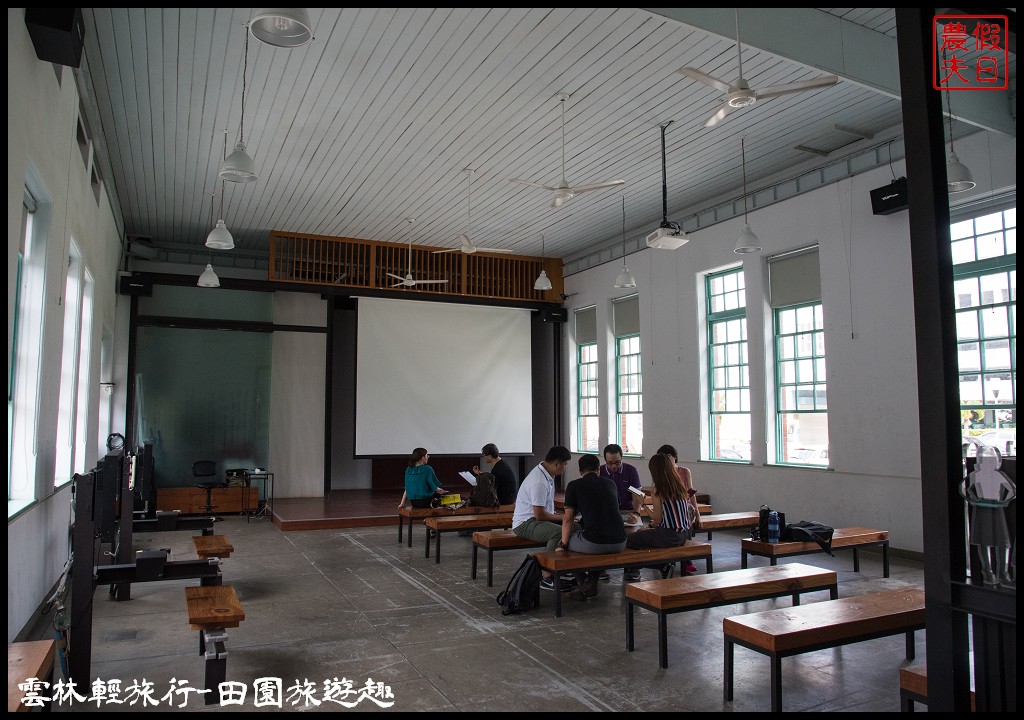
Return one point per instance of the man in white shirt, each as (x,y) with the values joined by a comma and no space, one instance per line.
(534,516)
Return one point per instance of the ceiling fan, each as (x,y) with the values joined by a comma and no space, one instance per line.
(739,94)
(466,245)
(562,191)
(408,280)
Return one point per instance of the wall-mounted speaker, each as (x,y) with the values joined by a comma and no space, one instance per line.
(554,315)
(58,34)
(889,198)
(127,284)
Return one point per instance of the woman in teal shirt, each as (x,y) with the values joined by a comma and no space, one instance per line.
(421,483)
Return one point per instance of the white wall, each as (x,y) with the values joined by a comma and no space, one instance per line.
(874,479)
(298,396)
(41,146)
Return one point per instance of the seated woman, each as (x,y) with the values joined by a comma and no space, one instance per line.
(670,526)
(421,483)
(687,480)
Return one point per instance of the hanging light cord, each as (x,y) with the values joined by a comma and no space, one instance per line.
(743,155)
(213,199)
(623,231)
(223,182)
(245,67)
(563,139)
(949,109)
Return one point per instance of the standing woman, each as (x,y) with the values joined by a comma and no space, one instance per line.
(421,483)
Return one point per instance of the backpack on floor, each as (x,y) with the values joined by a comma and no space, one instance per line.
(485,494)
(523,588)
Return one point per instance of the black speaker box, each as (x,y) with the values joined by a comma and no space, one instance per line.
(57,34)
(554,315)
(889,198)
(128,285)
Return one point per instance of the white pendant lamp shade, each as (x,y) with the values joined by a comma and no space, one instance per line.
(958,176)
(238,166)
(625,278)
(282,27)
(219,238)
(543,282)
(747,242)
(209,278)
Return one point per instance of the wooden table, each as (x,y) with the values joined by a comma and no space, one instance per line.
(27,661)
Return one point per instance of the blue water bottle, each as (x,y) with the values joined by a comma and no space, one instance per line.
(773,527)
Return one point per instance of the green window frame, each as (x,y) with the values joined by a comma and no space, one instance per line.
(984,247)
(728,370)
(588,429)
(801,400)
(629,401)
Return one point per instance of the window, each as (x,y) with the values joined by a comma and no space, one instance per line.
(801,406)
(629,419)
(72,407)
(985,289)
(588,426)
(728,373)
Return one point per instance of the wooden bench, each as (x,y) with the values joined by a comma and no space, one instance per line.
(726,588)
(440,525)
(211,610)
(413,514)
(210,546)
(792,631)
(563,563)
(842,539)
(491,540)
(710,523)
(29,663)
(914,685)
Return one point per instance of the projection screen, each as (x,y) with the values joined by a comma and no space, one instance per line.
(447,377)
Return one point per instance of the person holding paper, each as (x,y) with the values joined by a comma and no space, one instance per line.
(504,478)
(421,483)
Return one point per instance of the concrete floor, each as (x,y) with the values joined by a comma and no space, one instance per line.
(355,605)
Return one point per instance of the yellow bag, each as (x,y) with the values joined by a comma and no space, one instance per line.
(451,499)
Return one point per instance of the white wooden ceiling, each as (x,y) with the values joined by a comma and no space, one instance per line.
(374,120)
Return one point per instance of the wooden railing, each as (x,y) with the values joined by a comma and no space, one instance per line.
(352,263)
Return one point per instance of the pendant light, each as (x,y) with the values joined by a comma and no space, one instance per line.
(747,242)
(239,166)
(958,176)
(625,278)
(208,278)
(281,27)
(543,282)
(219,238)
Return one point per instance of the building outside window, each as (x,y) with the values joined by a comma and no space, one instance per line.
(588,425)
(727,366)
(629,415)
(985,294)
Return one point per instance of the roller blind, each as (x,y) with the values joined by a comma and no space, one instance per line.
(627,316)
(793,278)
(586,326)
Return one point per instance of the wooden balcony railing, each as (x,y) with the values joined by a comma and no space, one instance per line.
(352,263)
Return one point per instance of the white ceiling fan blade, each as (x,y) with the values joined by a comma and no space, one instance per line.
(827,81)
(719,114)
(595,186)
(493,250)
(532,184)
(430,282)
(396,277)
(699,76)
(438,252)
(398,283)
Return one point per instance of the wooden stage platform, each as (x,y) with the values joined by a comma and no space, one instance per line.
(344,509)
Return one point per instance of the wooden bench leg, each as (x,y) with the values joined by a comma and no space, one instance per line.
(833,592)
(401,524)
(490,567)
(426,531)
(216,662)
(776,683)
(856,560)
(629,625)
(885,559)
(410,531)
(709,566)
(472,573)
(796,599)
(663,639)
(558,595)
(729,647)
(911,650)
(774,561)
(743,560)
(437,547)
(906,702)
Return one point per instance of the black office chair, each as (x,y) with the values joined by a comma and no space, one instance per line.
(207,469)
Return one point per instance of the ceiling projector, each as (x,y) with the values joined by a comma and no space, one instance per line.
(667,238)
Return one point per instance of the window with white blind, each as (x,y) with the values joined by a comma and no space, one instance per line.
(588,425)
(727,366)
(629,402)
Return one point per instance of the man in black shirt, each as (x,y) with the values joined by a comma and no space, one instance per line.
(504,479)
(595,499)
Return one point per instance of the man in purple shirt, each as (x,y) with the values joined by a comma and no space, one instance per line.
(624,476)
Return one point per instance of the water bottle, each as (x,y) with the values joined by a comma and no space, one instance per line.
(773,527)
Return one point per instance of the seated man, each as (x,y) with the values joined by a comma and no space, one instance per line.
(534,516)
(504,477)
(624,476)
(595,499)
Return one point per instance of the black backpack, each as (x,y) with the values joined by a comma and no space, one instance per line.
(810,531)
(485,494)
(523,589)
